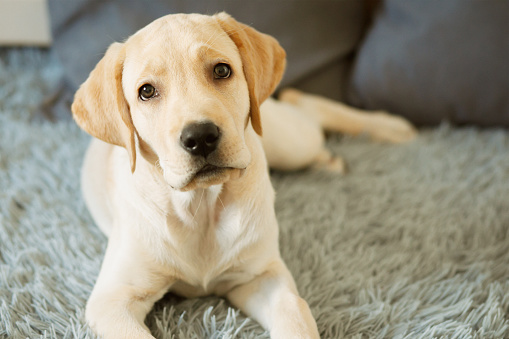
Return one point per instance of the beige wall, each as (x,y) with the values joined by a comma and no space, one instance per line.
(24,23)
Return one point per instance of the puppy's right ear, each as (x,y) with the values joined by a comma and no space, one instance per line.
(263,62)
(100,107)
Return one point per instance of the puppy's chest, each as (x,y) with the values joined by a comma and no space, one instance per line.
(213,242)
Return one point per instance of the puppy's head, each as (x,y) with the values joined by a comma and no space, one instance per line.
(181,92)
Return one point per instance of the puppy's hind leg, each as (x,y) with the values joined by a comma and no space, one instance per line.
(293,140)
(328,162)
(336,117)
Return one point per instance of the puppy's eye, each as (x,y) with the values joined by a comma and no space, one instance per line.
(146,92)
(222,71)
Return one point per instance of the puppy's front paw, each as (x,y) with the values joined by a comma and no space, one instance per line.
(114,323)
(386,127)
(293,320)
(298,331)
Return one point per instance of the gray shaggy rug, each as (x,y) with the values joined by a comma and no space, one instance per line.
(412,243)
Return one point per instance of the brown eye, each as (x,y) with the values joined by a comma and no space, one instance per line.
(146,92)
(222,71)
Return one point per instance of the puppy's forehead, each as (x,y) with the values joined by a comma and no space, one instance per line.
(181,35)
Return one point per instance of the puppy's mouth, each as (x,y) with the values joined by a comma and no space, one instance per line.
(210,170)
(209,175)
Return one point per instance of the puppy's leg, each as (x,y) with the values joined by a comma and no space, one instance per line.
(337,117)
(125,291)
(272,300)
(294,140)
(329,162)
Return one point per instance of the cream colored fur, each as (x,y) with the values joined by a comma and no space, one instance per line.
(171,228)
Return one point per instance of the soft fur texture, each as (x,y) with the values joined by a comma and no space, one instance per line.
(195,214)
(412,243)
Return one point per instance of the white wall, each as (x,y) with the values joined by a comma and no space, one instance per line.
(24,23)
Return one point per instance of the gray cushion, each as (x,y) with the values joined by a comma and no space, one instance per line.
(437,60)
(319,36)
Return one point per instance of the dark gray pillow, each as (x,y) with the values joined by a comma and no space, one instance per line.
(437,60)
(319,36)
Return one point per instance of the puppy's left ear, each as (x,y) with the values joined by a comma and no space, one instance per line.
(263,60)
(100,107)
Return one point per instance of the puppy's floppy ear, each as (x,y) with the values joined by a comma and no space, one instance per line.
(100,107)
(263,61)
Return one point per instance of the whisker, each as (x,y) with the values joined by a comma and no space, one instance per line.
(199,204)
(217,35)
(158,164)
(221,201)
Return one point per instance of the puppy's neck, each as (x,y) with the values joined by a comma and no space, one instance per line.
(191,208)
(199,206)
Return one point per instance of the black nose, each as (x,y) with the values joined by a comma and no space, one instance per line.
(200,138)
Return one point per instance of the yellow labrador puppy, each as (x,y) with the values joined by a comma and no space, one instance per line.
(177,175)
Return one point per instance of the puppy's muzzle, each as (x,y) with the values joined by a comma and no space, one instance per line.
(200,139)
